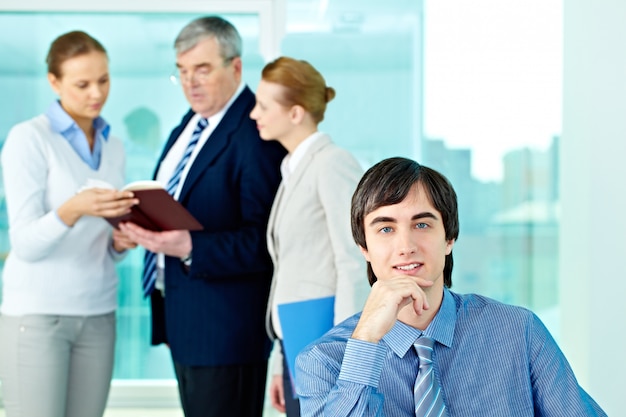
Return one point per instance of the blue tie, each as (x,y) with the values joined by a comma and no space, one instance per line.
(150,267)
(428,395)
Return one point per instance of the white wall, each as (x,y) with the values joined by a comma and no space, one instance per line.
(593,198)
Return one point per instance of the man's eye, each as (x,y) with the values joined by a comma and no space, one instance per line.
(421,226)
(386,229)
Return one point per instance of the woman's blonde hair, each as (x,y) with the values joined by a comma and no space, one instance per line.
(303,85)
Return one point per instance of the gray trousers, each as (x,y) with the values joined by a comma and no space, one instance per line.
(56,366)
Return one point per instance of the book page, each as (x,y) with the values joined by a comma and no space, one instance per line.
(142,185)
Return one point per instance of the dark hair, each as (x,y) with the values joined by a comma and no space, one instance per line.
(303,85)
(225,34)
(70,45)
(389,182)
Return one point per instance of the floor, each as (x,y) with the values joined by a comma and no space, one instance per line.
(135,412)
(128,412)
(154,412)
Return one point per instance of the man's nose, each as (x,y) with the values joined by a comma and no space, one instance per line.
(406,244)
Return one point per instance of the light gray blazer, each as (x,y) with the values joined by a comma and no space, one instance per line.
(309,236)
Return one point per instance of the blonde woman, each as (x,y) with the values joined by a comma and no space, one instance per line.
(308,233)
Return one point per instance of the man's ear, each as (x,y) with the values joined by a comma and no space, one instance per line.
(449,245)
(365,253)
(238,65)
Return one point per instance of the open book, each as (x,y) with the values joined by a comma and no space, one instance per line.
(157,210)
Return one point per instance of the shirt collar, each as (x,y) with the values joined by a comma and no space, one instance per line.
(103,127)
(290,161)
(62,123)
(442,327)
(402,336)
(217,117)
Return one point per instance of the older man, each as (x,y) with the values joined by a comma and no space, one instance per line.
(212,285)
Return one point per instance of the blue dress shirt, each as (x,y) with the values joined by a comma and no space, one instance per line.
(491,359)
(62,123)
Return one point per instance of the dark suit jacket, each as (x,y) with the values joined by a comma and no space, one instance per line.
(214,313)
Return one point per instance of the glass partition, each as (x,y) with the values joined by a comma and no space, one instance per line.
(472,89)
(469,88)
(492,122)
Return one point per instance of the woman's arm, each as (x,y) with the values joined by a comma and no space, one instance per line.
(35,228)
(336,184)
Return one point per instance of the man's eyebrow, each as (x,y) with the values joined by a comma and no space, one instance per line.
(382,219)
(202,64)
(425,215)
(418,216)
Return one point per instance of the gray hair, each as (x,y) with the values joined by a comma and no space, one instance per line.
(224,32)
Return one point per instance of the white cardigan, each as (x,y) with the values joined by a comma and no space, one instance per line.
(53,268)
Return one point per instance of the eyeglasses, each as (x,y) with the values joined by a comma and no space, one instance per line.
(200,74)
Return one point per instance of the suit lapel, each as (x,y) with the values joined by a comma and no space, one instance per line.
(272,241)
(287,190)
(172,139)
(303,166)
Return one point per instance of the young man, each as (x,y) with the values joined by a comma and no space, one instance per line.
(417,348)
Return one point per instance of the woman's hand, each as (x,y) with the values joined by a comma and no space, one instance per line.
(277,393)
(97,202)
(122,242)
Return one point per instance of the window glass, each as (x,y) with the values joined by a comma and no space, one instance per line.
(492,121)
(471,89)
(371,54)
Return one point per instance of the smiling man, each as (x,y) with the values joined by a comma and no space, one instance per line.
(417,348)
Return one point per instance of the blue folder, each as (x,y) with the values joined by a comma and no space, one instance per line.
(303,322)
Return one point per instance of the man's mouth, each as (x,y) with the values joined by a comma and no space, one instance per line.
(408,267)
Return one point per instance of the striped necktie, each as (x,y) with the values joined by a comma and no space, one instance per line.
(150,267)
(428,395)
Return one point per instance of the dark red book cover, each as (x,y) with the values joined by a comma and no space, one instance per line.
(158,211)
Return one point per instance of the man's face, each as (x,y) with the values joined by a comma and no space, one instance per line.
(407,238)
(208,82)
